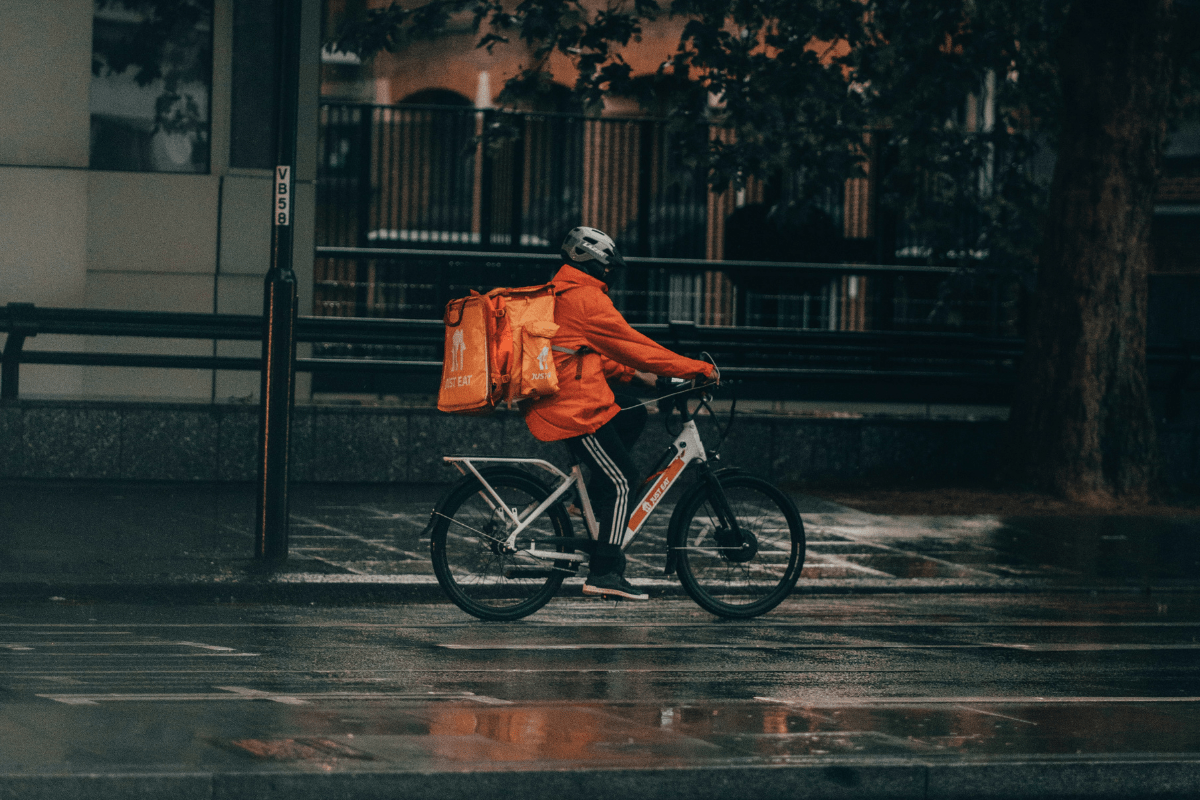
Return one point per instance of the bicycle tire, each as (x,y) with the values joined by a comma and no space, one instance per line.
(476,573)
(731,581)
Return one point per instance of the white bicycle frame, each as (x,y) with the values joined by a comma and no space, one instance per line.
(688,448)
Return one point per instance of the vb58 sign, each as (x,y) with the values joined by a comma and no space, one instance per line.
(283,195)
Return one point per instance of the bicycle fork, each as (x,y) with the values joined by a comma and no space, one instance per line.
(725,517)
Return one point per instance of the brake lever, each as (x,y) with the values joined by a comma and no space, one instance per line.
(671,389)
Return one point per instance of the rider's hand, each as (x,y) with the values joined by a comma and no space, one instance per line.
(648,378)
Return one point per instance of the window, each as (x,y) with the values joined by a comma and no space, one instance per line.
(151,83)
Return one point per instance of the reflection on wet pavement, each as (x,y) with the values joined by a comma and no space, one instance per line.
(1113,548)
(454,736)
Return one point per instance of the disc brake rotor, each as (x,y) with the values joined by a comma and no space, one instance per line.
(737,547)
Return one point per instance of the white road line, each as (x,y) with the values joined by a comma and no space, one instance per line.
(994,714)
(143,656)
(1087,647)
(243,694)
(214,647)
(308,553)
(1036,648)
(375,675)
(66,625)
(355,537)
(51,645)
(96,629)
(836,702)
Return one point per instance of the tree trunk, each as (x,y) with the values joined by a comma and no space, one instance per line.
(1081,423)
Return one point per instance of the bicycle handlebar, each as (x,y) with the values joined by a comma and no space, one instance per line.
(675,393)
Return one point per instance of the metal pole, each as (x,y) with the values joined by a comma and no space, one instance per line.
(278,388)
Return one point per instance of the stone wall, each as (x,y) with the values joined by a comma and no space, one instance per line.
(203,442)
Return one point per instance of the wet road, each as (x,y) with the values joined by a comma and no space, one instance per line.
(939,657)
(419,690)
(812,649)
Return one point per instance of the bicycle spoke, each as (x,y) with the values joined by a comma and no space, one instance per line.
(480,571)
(745,569)
(468,527)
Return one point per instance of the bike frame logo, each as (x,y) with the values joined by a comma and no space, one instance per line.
(655,495)
(650,502)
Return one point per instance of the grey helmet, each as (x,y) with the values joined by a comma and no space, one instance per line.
(592,251)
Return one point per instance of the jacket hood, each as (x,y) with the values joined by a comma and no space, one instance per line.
(568,276)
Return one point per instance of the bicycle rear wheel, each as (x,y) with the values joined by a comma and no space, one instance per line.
(745,573)
(475,568)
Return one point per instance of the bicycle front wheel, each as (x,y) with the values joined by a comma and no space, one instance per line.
(473,562)
(744,572)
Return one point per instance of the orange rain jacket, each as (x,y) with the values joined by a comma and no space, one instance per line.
(586,317)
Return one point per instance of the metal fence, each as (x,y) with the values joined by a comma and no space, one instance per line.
(434,200)
(461,178)
(416,284)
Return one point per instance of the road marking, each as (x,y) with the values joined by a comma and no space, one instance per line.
(215,647)
(308,552)
(835,702)
(1035,648)
(142,656)
(605,619)
(93,632)
(355,537)
(994,714)
(152,643)
(243,693)
(1087,647)
(377,676)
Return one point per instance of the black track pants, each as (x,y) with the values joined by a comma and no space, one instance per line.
(614,480)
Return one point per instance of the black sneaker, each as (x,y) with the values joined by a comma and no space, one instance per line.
(613,585)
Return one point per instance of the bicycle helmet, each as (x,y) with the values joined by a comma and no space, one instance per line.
(592,251)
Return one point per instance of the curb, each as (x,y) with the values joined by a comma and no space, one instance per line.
(828,779)
(348,589)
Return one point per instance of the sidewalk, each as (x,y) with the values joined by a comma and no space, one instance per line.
(194,542)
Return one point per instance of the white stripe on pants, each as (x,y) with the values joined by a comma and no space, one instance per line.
(620,507)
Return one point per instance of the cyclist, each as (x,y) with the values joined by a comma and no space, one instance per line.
(594,343)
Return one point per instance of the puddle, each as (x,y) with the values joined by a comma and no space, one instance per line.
(1105,547)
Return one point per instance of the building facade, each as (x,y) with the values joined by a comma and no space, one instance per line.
(150,192)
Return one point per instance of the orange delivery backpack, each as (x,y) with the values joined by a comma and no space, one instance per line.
(498,349)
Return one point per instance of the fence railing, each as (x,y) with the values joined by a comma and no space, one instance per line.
(759,362)
(416,284)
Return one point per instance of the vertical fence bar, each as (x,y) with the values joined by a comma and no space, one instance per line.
(645,184)
(363,150)
(516,218)
(485,183)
